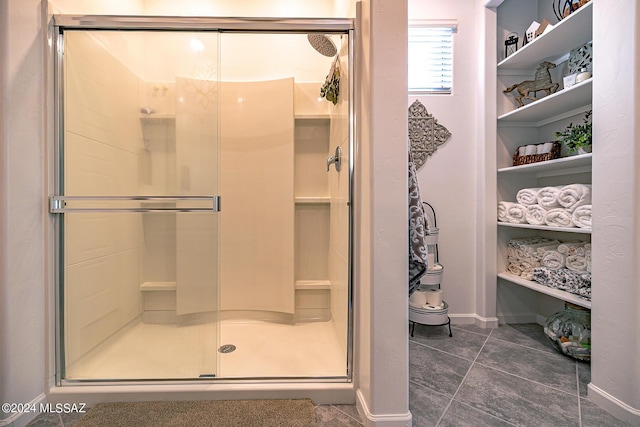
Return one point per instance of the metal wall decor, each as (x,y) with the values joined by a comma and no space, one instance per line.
(425,134)
(581,57)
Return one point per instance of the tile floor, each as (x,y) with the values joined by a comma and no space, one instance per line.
(508,376)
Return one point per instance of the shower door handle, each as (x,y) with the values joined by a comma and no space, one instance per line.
(335,159)
(91,204)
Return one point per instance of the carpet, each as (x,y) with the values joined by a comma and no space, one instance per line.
(202,413)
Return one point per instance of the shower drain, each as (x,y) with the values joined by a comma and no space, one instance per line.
(227,348)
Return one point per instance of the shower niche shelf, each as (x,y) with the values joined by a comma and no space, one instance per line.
(314,200)
(313,284)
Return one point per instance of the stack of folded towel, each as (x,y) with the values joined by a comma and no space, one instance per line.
(565,206)
(560,265)
(565,280)
(523,255)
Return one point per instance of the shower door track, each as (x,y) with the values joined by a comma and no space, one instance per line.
(59,23)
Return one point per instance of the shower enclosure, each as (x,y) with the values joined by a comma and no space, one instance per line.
(202,191)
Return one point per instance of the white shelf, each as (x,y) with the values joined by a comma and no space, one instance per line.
(558,103)
(158,286)
(561,166)
(311,116)
(313,284)
(313,200)
(556,293)
(576,230)
(570,33)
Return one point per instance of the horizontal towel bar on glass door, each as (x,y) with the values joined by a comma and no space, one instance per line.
(160,204)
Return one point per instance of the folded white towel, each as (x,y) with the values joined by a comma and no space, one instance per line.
(531,251)
(535,214)
(544,249)
(587,257)
(574,195)
(528,196)
(530,149)
(570,248)
(514,268)
(553,260)
(582,216)
(558,218)
(576,263)
(548,197)
(511,212)
(548,146)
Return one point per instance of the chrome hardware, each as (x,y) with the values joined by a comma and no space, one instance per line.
(336,160)
(59,204)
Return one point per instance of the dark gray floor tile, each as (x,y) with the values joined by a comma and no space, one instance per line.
(330,416)
(437,370)
(472,328)
(595,416)
(461,415)
(350,410)
(517,401)
(553,370)
(527,334)
(46,420)
(463,344)
(584,377)
(426,405)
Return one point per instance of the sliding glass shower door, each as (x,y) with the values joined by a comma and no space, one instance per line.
(202,198)
(138,197)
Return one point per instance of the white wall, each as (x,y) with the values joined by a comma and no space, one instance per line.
(22,198)
(448,178)
(615,367)
(382,213)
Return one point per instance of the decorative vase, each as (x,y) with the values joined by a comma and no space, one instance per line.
(569,331)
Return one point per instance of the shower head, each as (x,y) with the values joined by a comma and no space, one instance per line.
(322,44)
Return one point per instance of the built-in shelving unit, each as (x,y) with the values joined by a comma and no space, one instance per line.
(562,103)
(539,119)
(573,31)
(556,293)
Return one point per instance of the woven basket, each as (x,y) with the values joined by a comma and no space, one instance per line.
(535,158)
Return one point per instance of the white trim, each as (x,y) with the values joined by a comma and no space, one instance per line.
(320,393)
(614,406)
(445,23)
(386,420)
(474,319)
(21,419)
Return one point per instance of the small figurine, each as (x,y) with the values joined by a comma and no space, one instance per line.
(542,82)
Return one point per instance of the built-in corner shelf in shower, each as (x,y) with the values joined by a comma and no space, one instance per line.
(311,116)
(313,284)
(158,286)
(312,200)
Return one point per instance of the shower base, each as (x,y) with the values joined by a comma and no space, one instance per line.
(263,350)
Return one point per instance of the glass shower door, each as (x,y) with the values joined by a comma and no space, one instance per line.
(137,196)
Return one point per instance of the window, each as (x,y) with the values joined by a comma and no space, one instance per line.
(431,57)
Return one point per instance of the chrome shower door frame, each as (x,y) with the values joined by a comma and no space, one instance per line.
(60,23)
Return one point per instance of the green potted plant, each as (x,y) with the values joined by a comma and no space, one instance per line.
(577,138)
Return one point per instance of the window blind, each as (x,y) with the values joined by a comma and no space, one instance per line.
(431,58)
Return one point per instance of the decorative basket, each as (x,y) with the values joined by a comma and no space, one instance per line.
(535,158)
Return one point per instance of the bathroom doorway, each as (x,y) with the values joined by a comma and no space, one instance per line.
(203,178)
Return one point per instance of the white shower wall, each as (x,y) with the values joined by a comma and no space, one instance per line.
(103,140)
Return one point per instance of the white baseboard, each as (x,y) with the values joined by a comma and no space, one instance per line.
(614,406)
(474,319)
(380,420)
(21,419)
